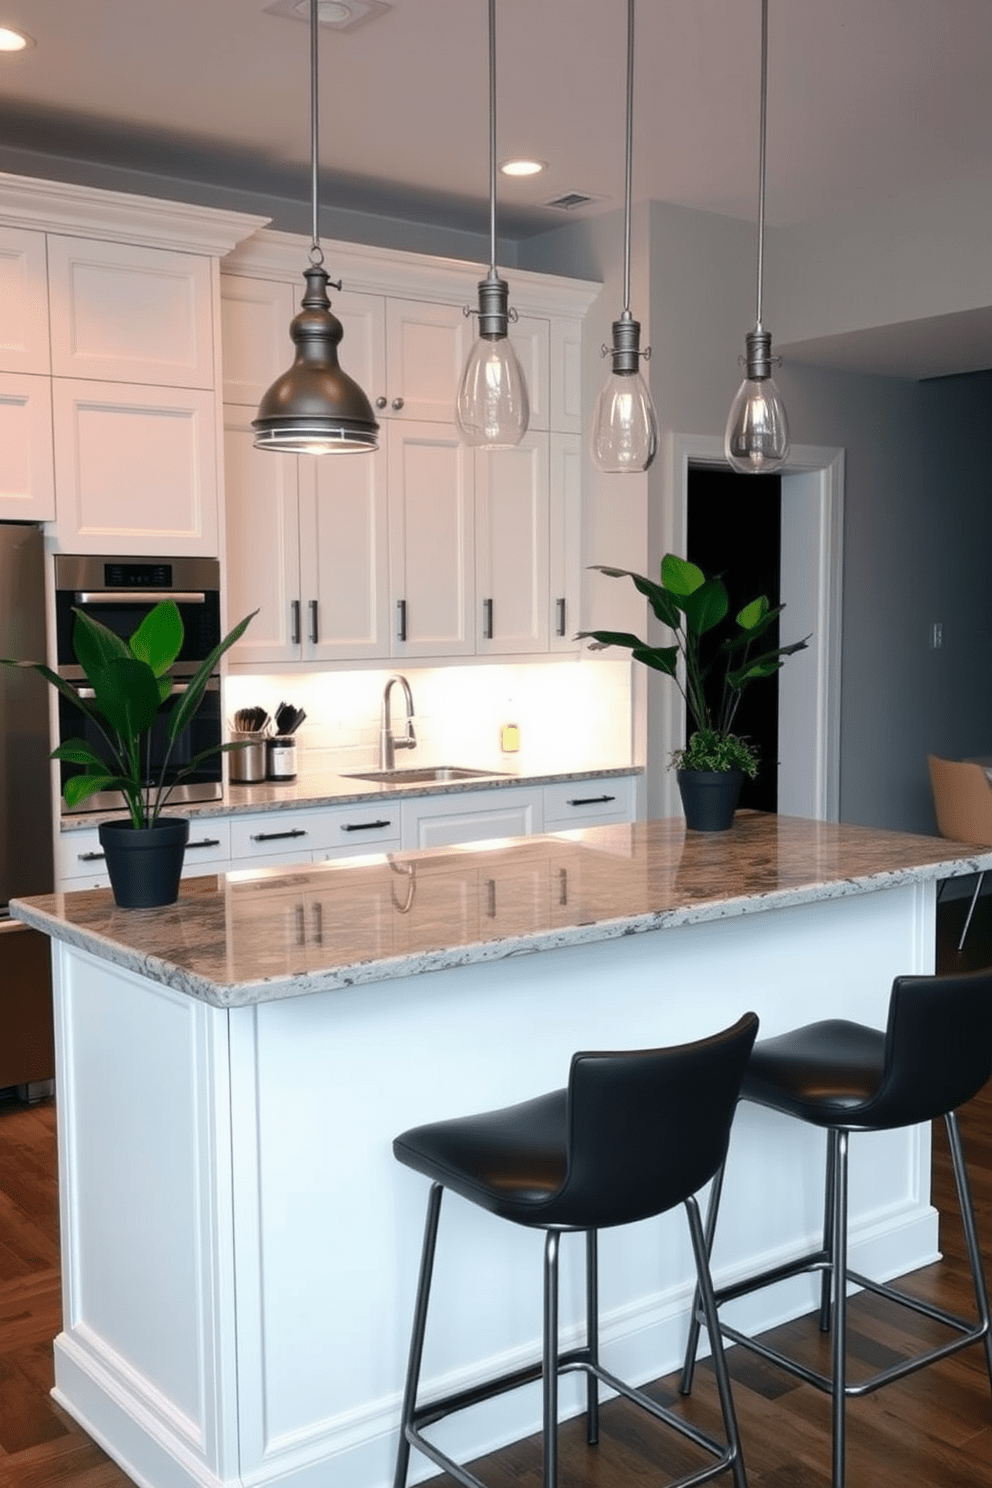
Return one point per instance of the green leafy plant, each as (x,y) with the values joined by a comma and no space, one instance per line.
(130,681)
(691,606)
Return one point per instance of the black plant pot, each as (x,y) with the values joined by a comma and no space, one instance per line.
(145,863)
(709,798)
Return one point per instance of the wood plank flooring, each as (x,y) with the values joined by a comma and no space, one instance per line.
(933,1430)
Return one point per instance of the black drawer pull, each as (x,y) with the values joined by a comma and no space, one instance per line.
(204,842)
(91,857)
(591,800)
(560,607)
(278,836)
(372,826)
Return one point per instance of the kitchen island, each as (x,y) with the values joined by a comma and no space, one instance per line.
(239,1246)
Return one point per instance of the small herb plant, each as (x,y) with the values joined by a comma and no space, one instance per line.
(691,605)
(130,681)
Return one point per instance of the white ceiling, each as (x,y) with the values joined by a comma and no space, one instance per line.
(868,99)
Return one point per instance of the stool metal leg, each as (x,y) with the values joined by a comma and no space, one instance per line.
(592,1337)
(826,1276)
(692,1342)
(839,1268)
(550,1371)
(971,910)
(705,1288)
(963,1186)
(419,1328)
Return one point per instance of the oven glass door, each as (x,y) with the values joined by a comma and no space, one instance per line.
(123,613)
(204,732)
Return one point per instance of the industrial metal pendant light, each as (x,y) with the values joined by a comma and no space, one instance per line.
(315,408)
(757,438)
(624,435)
(492,407)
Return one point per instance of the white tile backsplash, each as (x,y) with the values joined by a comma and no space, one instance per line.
(572,715)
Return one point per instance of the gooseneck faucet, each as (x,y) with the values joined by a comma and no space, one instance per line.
(387,743)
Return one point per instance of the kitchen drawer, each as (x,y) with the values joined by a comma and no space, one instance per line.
(363,827)
(327,832)
(586,802)
(81,863)
(470,816)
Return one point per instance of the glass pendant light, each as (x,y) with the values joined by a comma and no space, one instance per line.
(315,408)
(492,407)
(757,438)
(624,436)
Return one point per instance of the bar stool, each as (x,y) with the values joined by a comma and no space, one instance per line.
(935,1054)
(633,1135)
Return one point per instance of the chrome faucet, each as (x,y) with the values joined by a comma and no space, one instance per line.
(387,743)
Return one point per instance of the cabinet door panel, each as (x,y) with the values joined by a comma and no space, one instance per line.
(344,558)
(432,539)
(442,821)
(263,555)
(426,348)
(530,337)
(136,468)
(130,314)
(23,301)
(27,472)
(255,319)
(566,375)
(512,545)
(565,562)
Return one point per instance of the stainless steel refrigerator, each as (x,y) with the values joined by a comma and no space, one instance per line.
(26,1052)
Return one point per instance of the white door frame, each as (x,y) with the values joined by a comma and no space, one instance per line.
(811,576)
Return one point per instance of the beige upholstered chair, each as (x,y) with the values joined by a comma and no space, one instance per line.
(962,798)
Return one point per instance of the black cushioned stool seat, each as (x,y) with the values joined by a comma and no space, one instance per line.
(935,1054)
(635,1133)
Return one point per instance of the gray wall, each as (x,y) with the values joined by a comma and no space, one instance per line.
(918,518)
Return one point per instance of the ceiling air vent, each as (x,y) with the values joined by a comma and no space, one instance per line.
(571,201)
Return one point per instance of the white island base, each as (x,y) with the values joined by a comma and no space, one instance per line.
(240,1247)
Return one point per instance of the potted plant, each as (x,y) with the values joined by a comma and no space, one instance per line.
(129,681)
(712,765)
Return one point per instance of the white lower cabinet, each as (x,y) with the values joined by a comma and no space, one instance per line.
(471,816)
(280,838)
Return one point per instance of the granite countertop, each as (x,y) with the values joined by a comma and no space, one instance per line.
(250,937)
(330,789)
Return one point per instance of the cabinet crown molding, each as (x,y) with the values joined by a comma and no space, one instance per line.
(117,216)
(270,254)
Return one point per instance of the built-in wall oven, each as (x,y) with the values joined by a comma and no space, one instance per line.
(120,592)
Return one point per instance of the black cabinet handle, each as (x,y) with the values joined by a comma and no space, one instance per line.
(487,619)
(294,631)
(590,800)
(401,619)
(560,607)
(278,836)
(204,842)
(313,622)
(91,857)
(371,826)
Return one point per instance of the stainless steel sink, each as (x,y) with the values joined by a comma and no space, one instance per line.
(429,775)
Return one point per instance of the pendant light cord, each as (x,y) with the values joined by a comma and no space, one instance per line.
(316,252)
(762,128)
(492,139)
(628,166)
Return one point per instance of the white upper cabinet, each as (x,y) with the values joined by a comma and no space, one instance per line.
(122,313)
(565,549)
(23,302)
(512,497)
(112,301)
(427,346)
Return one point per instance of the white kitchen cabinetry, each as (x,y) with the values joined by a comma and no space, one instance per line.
(589,803)
(471,816)
(482,546)
(81,862)
(512,515)
(27,468)
(265,839)
(305,547)
(115,298)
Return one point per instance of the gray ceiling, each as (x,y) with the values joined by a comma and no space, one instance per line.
(868,99)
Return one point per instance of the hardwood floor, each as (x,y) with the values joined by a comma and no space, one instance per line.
(933,1430)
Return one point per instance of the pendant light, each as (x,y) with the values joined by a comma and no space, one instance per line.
(492,407)
(624,435)
(757,437)
(315,408)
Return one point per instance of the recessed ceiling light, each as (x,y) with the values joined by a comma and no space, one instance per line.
(522,167)
(14,41)
(339,15)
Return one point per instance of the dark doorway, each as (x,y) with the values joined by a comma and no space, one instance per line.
(734,530)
